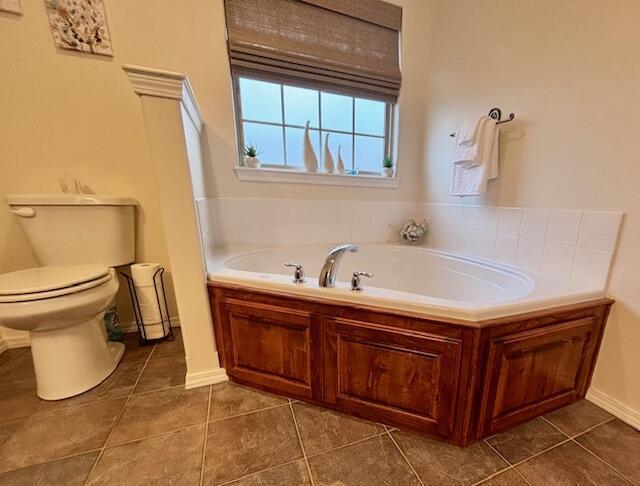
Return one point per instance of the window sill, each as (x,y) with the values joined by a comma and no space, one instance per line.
(300,177)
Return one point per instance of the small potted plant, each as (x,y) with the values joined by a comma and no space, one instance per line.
(251,156)
(387,167)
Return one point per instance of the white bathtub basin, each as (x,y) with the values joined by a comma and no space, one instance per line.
(415,279)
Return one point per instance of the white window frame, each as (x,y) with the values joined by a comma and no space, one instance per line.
(271,171)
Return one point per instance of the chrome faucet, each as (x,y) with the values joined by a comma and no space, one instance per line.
(330,267)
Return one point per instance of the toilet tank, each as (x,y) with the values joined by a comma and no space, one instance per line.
(71,229)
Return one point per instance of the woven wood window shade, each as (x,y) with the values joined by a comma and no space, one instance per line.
(348,45)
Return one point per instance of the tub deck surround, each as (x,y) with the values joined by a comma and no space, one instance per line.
(438,377)
(449,368)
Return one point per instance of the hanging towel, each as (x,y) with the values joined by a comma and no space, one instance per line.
(468,132)
(469,178)
(470,153)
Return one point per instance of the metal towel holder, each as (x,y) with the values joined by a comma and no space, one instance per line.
(496,114)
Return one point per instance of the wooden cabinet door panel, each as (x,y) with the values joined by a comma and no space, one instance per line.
(531,372)
(272,347)
(403,376)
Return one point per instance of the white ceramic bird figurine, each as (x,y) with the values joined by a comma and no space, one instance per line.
(308,154)
(327,158)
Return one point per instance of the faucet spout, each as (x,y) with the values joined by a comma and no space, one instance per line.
(331,264)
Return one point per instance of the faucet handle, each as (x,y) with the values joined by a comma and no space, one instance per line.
(356,279)
(298,275)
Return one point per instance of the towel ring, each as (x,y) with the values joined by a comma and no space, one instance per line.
(496,114)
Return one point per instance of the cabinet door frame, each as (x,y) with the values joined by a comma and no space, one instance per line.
(447,351)
(311,387)
(502,347)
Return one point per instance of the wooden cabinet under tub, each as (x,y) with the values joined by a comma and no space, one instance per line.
(459,381)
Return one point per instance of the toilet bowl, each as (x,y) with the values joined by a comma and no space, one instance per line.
(62,308)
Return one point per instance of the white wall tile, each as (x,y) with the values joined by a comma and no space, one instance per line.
(360,210)
(480,244)
(446,214)
(557,260)
(564,225)
(509,220)
(505,249)
(591,265)
(487,219)
(599,230)
(401,212)
(529,254)
(534,223)
(380,211)
(469,218)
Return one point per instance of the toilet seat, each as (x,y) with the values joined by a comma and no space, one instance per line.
(47,282)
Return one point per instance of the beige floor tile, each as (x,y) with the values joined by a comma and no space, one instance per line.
(162,411)
(439,463)
(577,417)
(322,429)
(133,350)
(618,444)
(249,443)
(294,474)
(46,436)
(119,384)
(18,399)
(569,465)
(525,440)
(507,478)
(170,348)
(375,461)
(17,365)
(228,399)
(71,471)
(162,373)
(171,459)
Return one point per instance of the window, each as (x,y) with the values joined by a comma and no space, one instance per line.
(272,116)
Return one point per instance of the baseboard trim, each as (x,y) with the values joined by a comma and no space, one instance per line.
(17,342)
(204,378)
(614,407)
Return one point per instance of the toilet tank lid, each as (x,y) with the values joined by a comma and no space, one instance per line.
(68,200)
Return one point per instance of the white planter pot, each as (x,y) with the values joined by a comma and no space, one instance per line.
(253,162)
(387,171)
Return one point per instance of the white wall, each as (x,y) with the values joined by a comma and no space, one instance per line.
(570,72)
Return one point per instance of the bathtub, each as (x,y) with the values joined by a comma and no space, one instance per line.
(419,280)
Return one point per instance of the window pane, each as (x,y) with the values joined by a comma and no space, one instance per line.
(370,117)
(300,105)
(369,153)
(337,112)
(342,140)
(268,139)
(294,146)
(260,101)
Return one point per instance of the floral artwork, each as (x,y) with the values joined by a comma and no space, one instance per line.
(80,25)
(11,6)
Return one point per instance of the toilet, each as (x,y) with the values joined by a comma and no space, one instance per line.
(78,240)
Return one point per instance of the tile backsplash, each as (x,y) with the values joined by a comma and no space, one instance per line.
(567,243)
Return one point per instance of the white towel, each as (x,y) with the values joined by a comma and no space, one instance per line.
(468,132)
(469,148)
(469,178)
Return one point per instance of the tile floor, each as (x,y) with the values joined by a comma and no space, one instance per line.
(141,427)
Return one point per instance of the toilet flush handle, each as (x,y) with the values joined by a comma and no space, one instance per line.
(24,212)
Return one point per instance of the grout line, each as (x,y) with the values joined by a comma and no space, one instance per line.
(541,452)
(602,460)
(348,444)
(247,413)
(586,431)
(555,426)
(206,431)
(404,456)
(232,481)
(304,452)
(511,467)
(56,459)
(119,417)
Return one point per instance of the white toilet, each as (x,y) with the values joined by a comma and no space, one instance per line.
(77,240)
